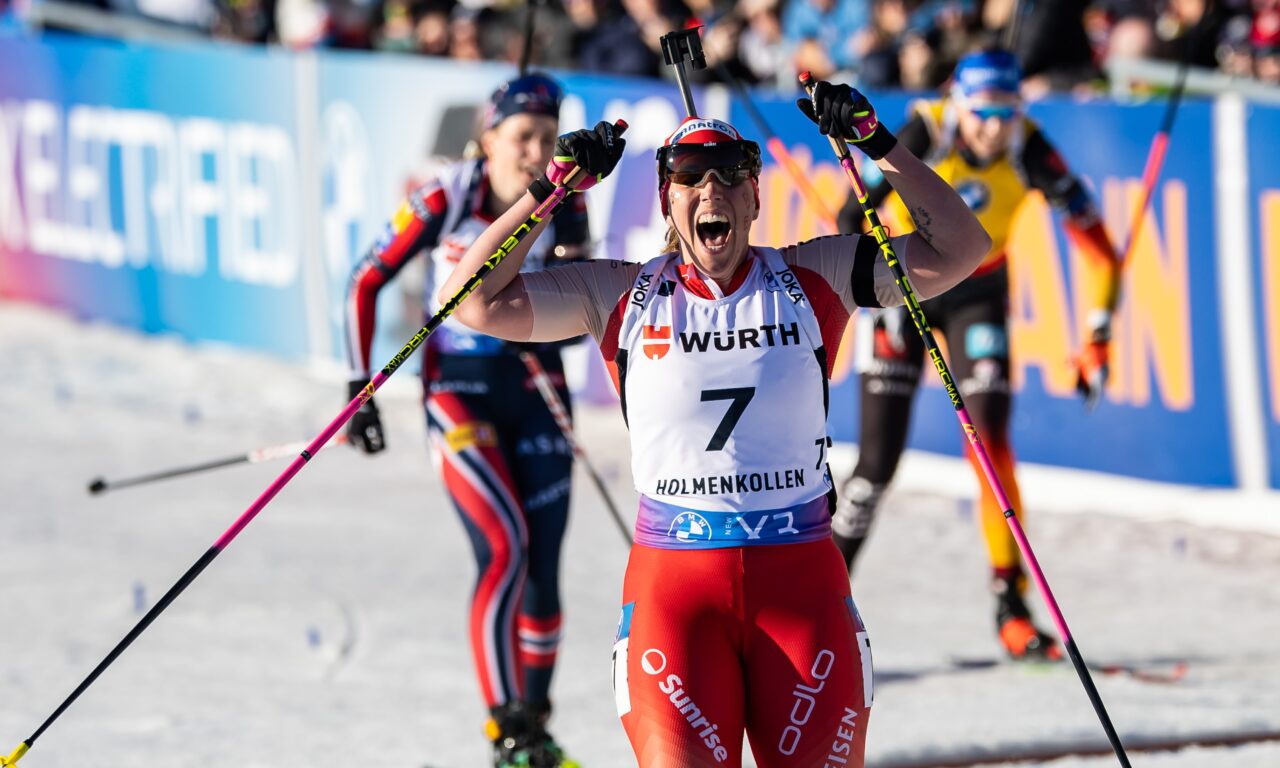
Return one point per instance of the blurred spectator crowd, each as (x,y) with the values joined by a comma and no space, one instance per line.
(1063,44)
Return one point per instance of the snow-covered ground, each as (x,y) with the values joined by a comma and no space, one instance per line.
(331,632)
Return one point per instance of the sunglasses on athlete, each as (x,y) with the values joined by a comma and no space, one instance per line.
(1004,112)
(692,165)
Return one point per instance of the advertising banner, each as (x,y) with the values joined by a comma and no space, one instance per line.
(153,188)
(1166,383)
(224,193)
(1264,195)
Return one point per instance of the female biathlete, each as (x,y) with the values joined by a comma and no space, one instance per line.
(504,462)
(736,611)
(980,142)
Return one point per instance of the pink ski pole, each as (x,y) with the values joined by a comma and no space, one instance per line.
(1155,156)
(546,210)
(100,485)
(971,432)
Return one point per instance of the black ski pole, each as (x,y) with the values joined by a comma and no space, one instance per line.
(100,485)
(561,415)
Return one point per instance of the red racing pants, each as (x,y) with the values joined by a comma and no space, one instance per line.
(764,640)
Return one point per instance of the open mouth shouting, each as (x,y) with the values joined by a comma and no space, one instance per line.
(713,230)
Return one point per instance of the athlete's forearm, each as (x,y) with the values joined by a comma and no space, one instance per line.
(1090,238)
(360,317)
(948,242)
(1083,225)
(498,306)
(413,229)
(914,135)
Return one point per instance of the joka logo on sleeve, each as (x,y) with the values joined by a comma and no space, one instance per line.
(657,341)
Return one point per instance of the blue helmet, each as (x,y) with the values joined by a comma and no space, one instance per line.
(993,69)
(534,94)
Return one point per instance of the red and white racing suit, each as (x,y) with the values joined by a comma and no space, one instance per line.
(737,616)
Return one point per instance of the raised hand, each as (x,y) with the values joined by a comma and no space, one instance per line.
(596,151)
(844,112)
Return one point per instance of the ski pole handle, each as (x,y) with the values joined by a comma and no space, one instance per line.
(678,47)
(842,151)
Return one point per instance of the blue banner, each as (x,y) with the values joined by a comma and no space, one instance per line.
(153,187)
(1164,414)
(1166,382)
(380,123)
(1264,198)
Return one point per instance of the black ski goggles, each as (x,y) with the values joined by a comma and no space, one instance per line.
(690,165)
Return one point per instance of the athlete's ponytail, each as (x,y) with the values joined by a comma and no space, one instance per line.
(673,240)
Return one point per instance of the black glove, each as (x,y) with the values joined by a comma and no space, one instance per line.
(843,112)
(596,152)
(364,430)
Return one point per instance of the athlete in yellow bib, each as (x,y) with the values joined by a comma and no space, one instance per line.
(980,142)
